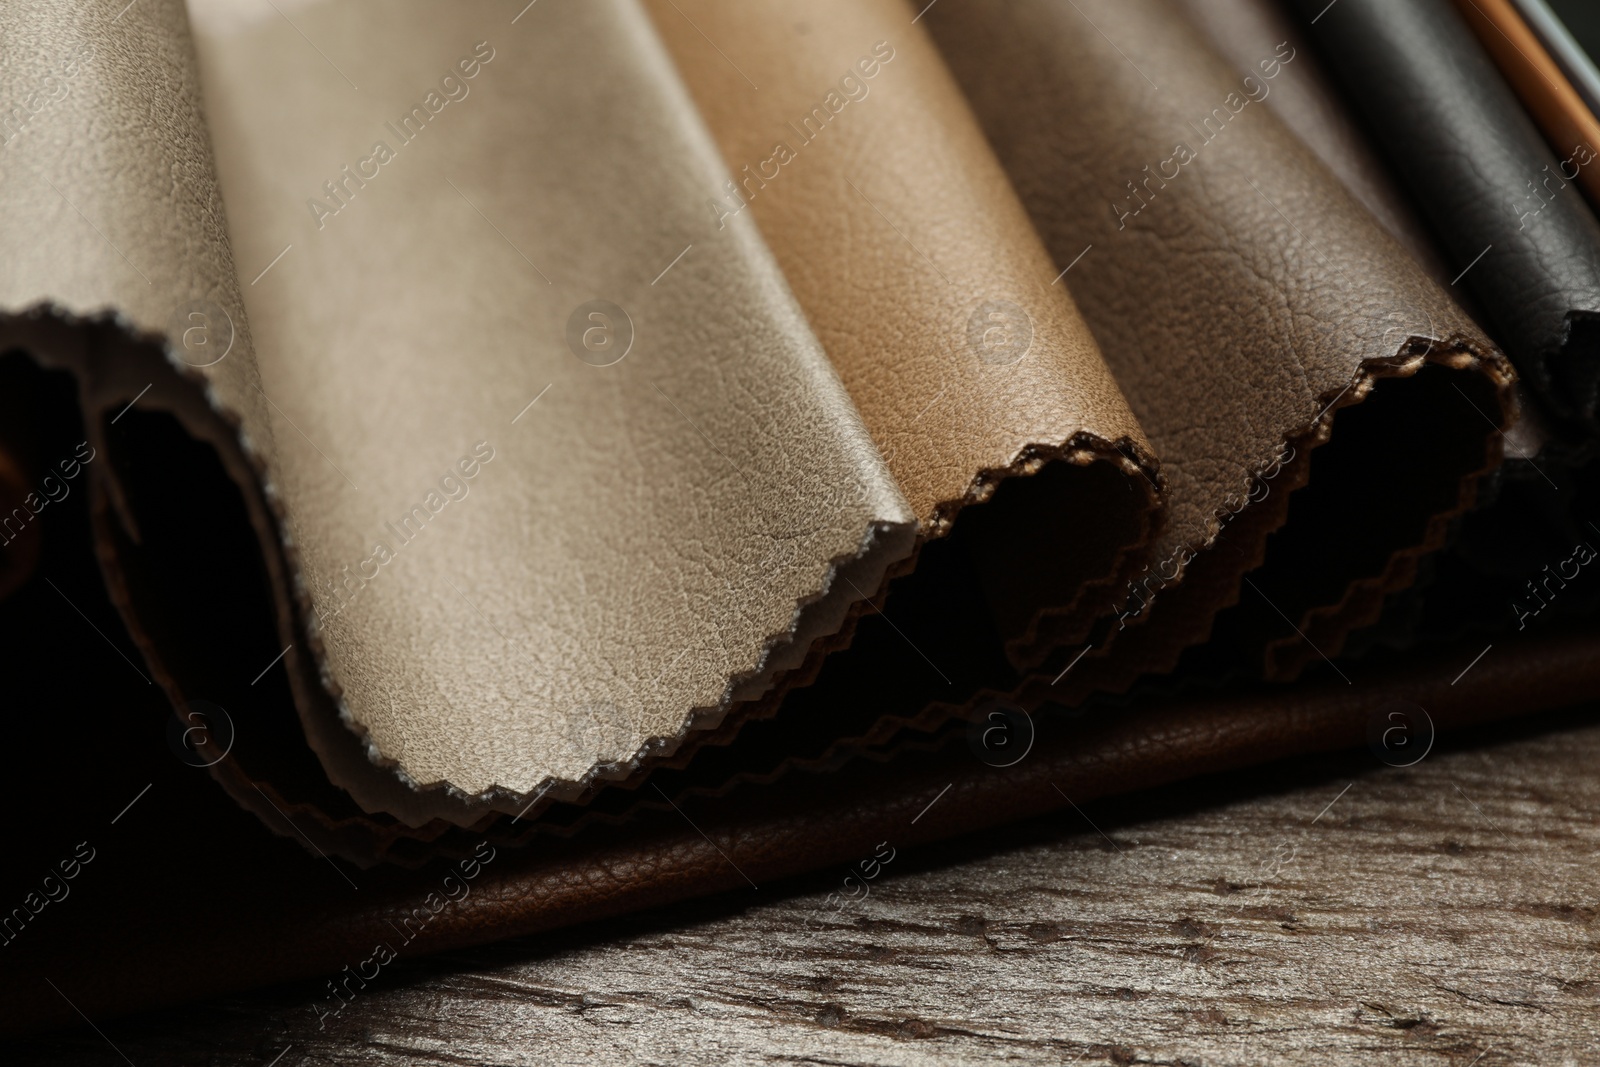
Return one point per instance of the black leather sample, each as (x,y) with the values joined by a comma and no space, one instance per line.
(1516,232)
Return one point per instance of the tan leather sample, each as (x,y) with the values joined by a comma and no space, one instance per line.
(918,269)
(1560,111)
(1243,301)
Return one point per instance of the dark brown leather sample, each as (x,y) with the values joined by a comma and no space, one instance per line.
(1497,198)
(1305,97)
(1245,304)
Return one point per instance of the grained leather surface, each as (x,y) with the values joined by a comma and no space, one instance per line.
(1305,97)
(109,186)
(641,538)
(1241,297)
(896,227)
(695,498)
(1490,186)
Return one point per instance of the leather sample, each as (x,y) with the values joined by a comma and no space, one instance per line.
(741,483)
(1216,253)
(745,461)
(1538,80)
(1305,97)
(922,276)
(1524,243)
(1558,38)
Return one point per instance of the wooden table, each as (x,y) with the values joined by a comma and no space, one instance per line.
(1328,911)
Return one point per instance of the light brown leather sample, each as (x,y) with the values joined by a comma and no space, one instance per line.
(637,497)
(1245,303)
(1561,112)
(927,285)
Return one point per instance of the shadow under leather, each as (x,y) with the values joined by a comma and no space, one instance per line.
(282,1003)
(256,907)
(1395,461)
(201,593)
(84,722)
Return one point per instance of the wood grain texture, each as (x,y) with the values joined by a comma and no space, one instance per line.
(1327,911)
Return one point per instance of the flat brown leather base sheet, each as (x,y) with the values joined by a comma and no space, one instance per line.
(191,902)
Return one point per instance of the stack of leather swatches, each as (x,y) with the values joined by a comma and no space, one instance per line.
(545,462)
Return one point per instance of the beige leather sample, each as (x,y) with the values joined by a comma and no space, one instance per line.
(919,270)
(1245,304)
(511,558)
(660,518)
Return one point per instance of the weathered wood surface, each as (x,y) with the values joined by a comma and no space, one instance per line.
(1335,911)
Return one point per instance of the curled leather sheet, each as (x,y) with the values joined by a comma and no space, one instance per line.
(1515,233)
(926,283)
(1517,523)
(1246,304)
(640,529)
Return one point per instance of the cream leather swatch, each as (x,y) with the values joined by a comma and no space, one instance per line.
(614,546)
(528,539)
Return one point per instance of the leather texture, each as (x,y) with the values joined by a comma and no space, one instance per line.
(1513,231)
(1307,100)
(649,538)
(735,605)
(1244,302)
(669,532)
(893,259)
(1538,80)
